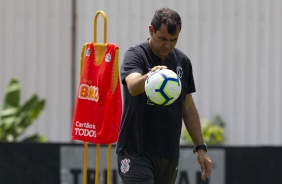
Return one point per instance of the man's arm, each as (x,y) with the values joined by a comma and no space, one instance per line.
(192,120)
(136,82)
(192,123)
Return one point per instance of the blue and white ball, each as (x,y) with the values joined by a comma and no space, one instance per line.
(163,87)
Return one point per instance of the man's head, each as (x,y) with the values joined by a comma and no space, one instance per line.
(168,17)
(164,31)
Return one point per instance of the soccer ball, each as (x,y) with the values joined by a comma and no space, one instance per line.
(163,87)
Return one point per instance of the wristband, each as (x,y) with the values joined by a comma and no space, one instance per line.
(201,146)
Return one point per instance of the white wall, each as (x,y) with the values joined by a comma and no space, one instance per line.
(35,48)
(235,48)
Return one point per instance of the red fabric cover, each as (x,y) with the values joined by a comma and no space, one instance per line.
(98,106)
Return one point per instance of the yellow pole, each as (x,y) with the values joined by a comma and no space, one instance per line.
(109,164)
(85,163)
(85,157)
(97,163)
(105,41)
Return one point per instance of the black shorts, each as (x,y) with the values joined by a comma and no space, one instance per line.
(134,169)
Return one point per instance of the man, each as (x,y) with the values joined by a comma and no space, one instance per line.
(148,143)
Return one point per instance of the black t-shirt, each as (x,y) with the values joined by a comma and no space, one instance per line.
(149,129)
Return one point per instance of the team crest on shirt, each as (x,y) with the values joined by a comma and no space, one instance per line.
(124,165)
(179,71)
(108,57)
(88,51)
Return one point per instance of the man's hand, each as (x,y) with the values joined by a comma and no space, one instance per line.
(155,68)
(205,163)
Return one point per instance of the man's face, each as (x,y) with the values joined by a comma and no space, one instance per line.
(161,42)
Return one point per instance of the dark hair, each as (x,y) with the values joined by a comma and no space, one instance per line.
(168,17)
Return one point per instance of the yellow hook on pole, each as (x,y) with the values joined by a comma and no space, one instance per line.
(105,26)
